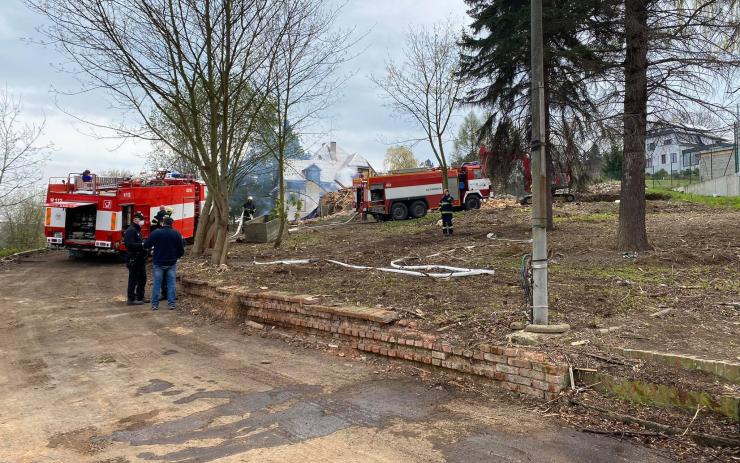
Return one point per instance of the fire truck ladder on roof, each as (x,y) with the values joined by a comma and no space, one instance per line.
(97,183)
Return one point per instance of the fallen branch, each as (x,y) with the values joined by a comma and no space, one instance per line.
(698,409)
(605,359)
(708,439)
(625,433)
(661,312)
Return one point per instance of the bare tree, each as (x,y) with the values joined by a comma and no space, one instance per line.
(425,87)
(204,66)
(22,156)
(306,75)
(22,220)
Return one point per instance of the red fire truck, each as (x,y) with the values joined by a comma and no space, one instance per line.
(88,213)
(410,193)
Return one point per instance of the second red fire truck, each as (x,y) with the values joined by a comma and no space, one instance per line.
(87,213)
(410,193)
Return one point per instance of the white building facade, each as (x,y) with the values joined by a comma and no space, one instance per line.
(665,146)
(306,181)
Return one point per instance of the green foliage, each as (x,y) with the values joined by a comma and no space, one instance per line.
(22,225)
(5,252)
(399,157)
(466,143)
(661,174)
(496,53)
(613,162)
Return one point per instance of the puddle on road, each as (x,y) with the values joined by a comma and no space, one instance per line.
(285,415)
(155,385)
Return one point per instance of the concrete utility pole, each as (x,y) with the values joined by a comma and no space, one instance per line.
(539,173)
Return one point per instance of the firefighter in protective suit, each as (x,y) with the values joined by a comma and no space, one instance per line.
(136,261)
(249,208)
(445,207)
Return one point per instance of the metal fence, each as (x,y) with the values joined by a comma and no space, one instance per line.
(708,166)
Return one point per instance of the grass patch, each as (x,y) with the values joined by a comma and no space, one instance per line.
(698,277)
(667,183)
(720,202)
(5,252)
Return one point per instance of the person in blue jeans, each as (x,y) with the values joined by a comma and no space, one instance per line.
(168,246)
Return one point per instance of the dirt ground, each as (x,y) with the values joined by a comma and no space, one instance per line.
(692,276)
(85,378)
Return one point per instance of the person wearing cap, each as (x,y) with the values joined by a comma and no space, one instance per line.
(168,247)
(135,261)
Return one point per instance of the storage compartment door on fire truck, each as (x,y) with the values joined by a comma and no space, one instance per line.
(188,213)
(454,187)
(108,225)
(69,220)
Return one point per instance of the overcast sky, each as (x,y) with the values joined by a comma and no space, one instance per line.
(358,122)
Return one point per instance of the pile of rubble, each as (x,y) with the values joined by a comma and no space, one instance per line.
(605,188)
(337,202)
(500,202)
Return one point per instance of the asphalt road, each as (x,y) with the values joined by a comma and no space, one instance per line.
(85,378)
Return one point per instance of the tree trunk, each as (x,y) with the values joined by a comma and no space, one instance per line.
(220,249)
(282,215)
(200,243)
(632,234)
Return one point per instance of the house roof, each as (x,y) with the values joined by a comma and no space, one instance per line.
(339,166)
(699,150)
(689,130)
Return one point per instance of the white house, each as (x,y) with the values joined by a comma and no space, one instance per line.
(665,146)
(329,169)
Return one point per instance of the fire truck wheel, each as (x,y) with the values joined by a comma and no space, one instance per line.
(418,209)
(399,211)
(472,202)
(570,197)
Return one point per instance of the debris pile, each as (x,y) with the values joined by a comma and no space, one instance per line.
(337,202)
(604,188)
(502,202)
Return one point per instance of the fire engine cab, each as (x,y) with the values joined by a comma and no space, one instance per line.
(410,193)
(88,213)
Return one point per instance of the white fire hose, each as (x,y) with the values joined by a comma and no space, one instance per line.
(413,270)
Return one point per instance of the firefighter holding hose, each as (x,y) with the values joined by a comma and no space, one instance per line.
(445,207)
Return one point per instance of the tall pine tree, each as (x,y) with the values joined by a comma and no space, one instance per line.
(496,55)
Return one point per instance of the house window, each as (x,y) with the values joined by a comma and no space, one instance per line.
(667,141)
(651,146)
(674,158)
(650,161)
(662,158)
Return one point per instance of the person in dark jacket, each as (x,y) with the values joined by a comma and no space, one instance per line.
(136,261)
(168,247)
(445,207)
(249,208)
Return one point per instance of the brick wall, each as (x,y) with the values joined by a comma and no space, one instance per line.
(379,331)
